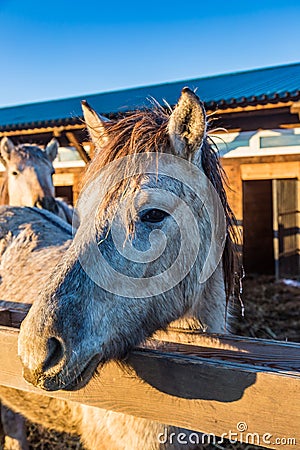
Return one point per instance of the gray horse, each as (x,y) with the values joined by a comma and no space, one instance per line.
(49,229)
(82,315)
(28,177)
(28,182)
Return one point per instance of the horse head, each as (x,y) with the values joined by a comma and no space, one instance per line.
(29,171)
(149,249)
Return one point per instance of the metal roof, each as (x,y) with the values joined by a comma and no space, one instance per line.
(259,86)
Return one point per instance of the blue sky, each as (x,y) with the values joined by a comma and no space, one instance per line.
(66,48)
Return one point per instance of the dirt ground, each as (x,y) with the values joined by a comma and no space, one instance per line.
(271,312)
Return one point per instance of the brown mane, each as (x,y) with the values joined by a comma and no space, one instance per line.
(139,131)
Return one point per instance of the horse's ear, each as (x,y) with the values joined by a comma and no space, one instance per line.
(6,147)
(52,149)
(95,125)
(187,124)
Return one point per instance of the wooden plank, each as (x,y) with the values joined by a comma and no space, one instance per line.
(270,170)
(295,108)
(259,107)
(76,186)
(260,159)
(63,179)
(234,188)
(275,228)
(56,130)
(79,170)
(79,147)
(190,387)
(290,125)
(287,234)
(12,313)
(278,355)
(11,318)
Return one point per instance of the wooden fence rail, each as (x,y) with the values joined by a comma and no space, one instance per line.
(214,384)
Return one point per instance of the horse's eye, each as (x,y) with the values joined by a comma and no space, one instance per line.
(15,173)
(154,216)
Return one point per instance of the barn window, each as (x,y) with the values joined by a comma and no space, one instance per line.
(283,140)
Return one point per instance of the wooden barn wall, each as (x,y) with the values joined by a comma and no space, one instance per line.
(239,170)
(257,168)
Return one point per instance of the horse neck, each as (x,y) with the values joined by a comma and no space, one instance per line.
(65,212)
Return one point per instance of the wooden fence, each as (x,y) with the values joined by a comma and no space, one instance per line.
(214,384)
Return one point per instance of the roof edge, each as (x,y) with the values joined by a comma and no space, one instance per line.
(150,86)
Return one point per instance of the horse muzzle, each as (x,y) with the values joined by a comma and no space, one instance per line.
(55,371)
(68,379)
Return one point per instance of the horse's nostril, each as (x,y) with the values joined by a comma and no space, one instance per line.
(55,353)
